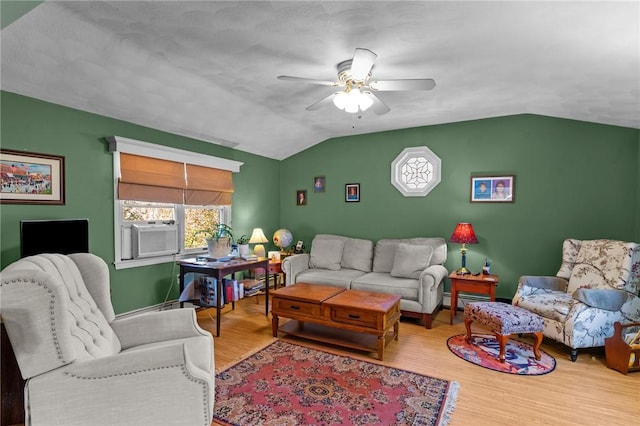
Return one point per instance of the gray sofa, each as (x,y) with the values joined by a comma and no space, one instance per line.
(412,268)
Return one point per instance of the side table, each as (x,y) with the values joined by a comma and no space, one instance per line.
(478,284)
(275,269)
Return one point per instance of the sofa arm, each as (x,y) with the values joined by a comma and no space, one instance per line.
(545,283)
(431,277)
(155,385)
(293,265)
(159,326)
(631,309)
(609,300)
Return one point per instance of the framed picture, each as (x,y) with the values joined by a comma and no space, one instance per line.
(31,178)
(352,192)
(493,189)
(301,197)
(274,256)
(318,184)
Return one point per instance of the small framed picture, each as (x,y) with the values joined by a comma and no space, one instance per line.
(31,178)
(274,256)
(301,197)
(493,189)
(318,184)
(352,192)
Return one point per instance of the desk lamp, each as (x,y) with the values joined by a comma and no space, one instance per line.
(463,234)
(257,238)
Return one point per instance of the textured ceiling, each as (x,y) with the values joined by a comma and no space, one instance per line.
(208,70)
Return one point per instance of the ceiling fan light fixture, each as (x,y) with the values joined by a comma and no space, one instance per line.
(341,99)
(352,101)
(365,101)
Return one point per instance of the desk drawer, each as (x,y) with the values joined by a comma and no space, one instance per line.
(355,317)
(293,308)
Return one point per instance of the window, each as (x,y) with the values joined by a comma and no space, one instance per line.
(415,171)
(152,186)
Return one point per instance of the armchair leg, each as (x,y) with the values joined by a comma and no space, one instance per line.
(574,354)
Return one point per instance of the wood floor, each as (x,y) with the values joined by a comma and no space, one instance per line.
(585,392)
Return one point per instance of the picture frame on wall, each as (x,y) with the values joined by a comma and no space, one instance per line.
(352,192)
(31,178)
(493,189)
(301,197)
(319,184)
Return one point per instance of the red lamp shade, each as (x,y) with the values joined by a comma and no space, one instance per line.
(463,234)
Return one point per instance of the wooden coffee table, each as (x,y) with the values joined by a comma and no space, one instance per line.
(350,318)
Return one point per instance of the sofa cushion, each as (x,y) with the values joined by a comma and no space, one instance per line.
(385,253)
(439,246)
(341,278)
(357,254)
(326,254)
(410,260)
(381,282)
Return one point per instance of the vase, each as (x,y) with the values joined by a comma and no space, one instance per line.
(244,250)
(219,248)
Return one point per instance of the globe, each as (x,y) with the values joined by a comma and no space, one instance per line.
(282,238)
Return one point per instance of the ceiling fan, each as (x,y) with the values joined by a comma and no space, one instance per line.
(357,87)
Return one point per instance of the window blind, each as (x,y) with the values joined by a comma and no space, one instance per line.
(157,180)
(208,186)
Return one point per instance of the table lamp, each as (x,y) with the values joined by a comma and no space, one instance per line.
(257,238)
(463,234)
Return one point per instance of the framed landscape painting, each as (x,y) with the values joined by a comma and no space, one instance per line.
(31,178)
(493,189)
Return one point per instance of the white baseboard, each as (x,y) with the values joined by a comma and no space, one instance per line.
(169,304)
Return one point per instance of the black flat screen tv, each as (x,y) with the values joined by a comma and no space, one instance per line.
(64,236)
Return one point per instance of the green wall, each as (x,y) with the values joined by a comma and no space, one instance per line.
(36,126)
(573,179)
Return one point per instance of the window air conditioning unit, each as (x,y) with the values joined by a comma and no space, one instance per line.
(154,240)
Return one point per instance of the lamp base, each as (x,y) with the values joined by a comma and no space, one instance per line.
(259,251)
(463,271)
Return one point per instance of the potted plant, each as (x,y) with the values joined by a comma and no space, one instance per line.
(243,246)
(218,239)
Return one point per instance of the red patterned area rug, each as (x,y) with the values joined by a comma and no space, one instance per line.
(289,384)
(484,350)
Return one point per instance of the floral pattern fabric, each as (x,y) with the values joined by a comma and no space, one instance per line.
(604,264)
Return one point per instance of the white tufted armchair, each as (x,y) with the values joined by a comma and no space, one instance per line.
(84,367)
(597,285)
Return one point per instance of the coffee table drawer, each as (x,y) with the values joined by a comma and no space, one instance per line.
(355,317)
(285,306)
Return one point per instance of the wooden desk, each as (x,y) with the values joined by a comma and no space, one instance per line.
(221,269)
(479,284)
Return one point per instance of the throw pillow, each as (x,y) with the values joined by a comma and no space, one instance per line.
(326,254)
(410,260)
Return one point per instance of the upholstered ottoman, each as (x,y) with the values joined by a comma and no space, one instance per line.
(504,320)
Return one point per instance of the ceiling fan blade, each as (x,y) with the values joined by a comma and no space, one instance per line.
(307,80)
(408,84)
(361,64)
(379,107)
(322,102)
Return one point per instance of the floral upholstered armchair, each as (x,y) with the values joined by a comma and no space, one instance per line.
(597,285)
